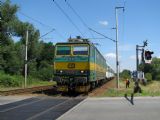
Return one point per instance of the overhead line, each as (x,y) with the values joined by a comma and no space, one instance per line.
(102,35)
(42,25)
(46,33)
(80,18)
(60,34)
(77,14)
(67,16)
(35,20)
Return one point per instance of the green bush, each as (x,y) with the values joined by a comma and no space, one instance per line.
(125,74)
(148,76)
(45,73)
(7,80)
(157,77)
(10,81)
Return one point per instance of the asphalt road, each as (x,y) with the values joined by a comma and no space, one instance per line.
(10,99)
(115,109)
(37,108)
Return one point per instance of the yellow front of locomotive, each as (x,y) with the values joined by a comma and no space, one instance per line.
(71,66)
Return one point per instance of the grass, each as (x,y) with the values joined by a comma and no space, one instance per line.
(39,83)
(151,89)
(9,82)
(34,84)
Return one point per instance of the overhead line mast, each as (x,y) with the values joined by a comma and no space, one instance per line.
(117,54)
(116,41)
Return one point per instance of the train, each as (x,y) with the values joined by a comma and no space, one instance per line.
(79,66)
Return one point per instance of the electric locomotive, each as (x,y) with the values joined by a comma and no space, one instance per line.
(78,65)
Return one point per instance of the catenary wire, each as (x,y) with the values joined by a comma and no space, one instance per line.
(67,16)
(80,18)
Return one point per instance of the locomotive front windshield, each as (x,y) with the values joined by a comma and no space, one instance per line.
(80,50)
(73,49)
(63,50)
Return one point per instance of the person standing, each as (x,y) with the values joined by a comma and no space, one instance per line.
(127,83)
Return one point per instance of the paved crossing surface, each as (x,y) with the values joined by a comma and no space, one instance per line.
(115,109)
(50,108)
(14,98)
(37,108)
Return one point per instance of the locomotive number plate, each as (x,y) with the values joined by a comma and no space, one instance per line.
(71,65)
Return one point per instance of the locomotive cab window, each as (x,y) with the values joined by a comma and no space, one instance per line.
(80,50)
(63,50)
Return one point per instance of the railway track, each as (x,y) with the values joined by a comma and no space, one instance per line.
(51,90)
(27,90)
(101,89)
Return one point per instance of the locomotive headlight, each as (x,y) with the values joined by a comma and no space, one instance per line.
(61,71)
(82,71)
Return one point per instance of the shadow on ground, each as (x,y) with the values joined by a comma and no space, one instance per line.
(131,98)
(53,92)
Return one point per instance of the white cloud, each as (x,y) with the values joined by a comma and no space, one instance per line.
(133,57)
(110,55)
(126,47)
(103,23)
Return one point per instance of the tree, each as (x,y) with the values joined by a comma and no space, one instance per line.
(45,61)
(12,54)
(7,52)
(125,74)
(153,68)
(148,76)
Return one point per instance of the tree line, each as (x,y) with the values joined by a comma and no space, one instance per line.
(12,53)
(151,71)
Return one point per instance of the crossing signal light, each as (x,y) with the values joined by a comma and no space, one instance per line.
(148,55)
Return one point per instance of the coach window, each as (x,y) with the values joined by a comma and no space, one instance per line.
(63,50)
(80,50)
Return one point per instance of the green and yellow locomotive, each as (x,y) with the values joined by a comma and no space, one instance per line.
(78,66)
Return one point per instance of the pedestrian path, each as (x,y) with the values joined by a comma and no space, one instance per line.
(144,108)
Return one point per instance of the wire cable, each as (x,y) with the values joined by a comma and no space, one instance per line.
(60,34)
(41,23)
(67,16)
(77,14)
(80,18)
(46,33)
(35,20)
(102,35)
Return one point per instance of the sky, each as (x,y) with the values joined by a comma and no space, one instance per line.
(139,21)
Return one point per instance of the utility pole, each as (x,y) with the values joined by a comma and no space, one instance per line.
(26,46)
(117,58)
(116,41)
